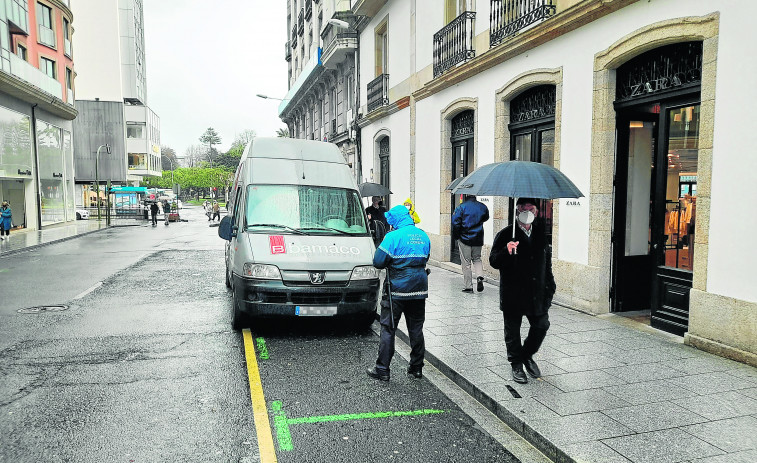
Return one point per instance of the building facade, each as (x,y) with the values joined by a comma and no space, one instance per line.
(112,97)
(631,99)
(36,111)
(322,99)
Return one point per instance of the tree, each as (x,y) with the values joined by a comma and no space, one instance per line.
(244,138)
(210,137)
(168,156)
(282,133)
(194,155)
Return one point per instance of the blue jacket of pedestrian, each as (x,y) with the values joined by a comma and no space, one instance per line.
(468,222)
(404,253)
(5,218)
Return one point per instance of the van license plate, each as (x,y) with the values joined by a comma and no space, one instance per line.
(314,311)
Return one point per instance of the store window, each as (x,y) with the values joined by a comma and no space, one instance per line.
(532,135)
(51,168)
(137,161)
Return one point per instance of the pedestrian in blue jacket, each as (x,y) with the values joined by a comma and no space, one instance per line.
(468,227)
(6,218)
(404,253)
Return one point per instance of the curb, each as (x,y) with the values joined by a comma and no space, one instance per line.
(544,445)
(67,238)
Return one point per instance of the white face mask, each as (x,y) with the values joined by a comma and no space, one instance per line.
(408,208)
(526,217)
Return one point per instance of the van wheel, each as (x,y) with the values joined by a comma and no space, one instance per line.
(238,318)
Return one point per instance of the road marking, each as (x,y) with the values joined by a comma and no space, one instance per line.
(259,410)
(262,348)
(89,290)
(282,423)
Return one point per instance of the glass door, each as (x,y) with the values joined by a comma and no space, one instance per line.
(462,165)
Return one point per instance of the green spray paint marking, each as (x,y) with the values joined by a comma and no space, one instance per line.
(262,348)
(282,427)
(282,423)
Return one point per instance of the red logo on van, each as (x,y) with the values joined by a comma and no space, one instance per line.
(277,244)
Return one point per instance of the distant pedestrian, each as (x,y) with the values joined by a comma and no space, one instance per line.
(404,253)
(527,286)
(6,219)
(208,210)
(154,212)
(468,227)
(216,211)
(411,210)
(377,219)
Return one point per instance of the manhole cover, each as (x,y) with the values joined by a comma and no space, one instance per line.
(44,308)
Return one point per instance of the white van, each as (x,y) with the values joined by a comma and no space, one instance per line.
(299,243)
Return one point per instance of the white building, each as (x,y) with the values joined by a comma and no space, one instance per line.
(112,95)
(638,102)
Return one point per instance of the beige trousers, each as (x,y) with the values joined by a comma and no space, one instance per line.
(468,255)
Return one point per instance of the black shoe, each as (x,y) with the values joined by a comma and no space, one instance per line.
(532,368)
(480,284)
(375,374)
(519,376)
(415,372)
(468,290)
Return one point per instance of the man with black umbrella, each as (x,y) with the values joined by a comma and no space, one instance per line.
(527,285)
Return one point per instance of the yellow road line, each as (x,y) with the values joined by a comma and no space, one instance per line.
(259,409)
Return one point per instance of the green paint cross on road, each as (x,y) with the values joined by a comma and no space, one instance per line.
(262,348)
(282,423)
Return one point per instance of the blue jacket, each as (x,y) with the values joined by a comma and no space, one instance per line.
(468,220)
(404,252)
(5,218)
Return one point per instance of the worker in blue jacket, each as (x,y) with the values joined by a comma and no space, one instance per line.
(404,253)
(468,229)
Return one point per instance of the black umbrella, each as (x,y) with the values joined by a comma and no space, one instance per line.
(454,183)
(518,179)
(373,189)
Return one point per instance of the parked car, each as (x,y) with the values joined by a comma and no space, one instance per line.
(82,214)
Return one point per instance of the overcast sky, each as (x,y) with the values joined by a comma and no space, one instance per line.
(206,60)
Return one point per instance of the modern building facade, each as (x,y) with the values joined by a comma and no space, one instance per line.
(36,111)
(637,102)
(322,99)
(112,97)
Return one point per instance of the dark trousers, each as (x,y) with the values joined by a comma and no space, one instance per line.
(217,215)
(154,218)
(517,352)
(5,231)
(415,315)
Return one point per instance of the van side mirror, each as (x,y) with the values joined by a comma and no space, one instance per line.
(226,228)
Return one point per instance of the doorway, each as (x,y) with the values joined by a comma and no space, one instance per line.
(655,184)
(462,165)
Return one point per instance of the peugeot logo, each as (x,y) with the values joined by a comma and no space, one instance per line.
(317,278)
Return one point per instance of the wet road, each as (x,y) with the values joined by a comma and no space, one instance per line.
(143,366)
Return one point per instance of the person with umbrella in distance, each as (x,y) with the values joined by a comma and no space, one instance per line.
(377,219)
(468,226)
(524,259)
(404,253)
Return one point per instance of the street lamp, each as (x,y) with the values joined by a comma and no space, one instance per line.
(339,23)
(266,97)
(97,175)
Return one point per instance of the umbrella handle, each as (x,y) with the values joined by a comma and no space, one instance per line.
(515,251)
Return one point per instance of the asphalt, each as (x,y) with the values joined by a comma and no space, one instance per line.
(611,392)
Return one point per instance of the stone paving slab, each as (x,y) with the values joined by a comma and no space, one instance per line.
(609,393)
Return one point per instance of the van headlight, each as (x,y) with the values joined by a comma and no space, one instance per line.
(262,271)
(364,272)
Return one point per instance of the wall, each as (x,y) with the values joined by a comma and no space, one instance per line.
(97,47)
(98,123)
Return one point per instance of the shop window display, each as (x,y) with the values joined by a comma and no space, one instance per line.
(51,173)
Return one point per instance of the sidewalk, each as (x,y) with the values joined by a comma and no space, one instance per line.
(22,240)
(609,393)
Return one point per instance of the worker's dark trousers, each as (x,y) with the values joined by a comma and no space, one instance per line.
(517,353)
(154,218)
(415,315)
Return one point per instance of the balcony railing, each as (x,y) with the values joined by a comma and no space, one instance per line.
(332,134)
(46,36)
(378,92)
(34,76)
(453,44)
(308,9)
(70,96)
(287,51)
(67,47)
(301,22)
(507,17)
(294,36)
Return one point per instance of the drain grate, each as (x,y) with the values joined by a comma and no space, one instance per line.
(44,308)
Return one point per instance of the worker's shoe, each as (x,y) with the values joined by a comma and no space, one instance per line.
(532,368)
(480,284)
(519,376)
(376,374)
(415,372)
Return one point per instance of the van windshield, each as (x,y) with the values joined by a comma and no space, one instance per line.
(308,209)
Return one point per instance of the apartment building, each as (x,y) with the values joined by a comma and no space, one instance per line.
(636,101)
(322,99)
(112,97)
(36,111)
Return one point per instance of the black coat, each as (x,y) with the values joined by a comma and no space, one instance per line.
(527,284)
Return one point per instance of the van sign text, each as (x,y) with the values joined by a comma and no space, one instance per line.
(277,244)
